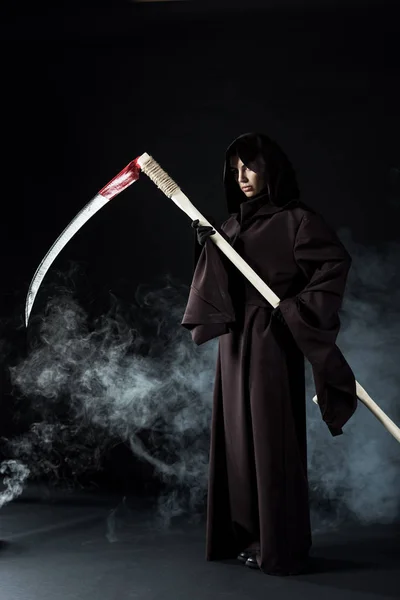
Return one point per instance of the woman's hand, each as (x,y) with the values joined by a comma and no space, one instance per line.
(203,232)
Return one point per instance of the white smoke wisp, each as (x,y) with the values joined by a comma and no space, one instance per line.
(15,473)
(357,475)
(117,384)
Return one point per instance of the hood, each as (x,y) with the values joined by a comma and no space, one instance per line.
(281,186)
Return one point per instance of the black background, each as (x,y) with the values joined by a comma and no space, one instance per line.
(88,87)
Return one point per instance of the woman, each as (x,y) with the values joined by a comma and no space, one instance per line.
(258,507)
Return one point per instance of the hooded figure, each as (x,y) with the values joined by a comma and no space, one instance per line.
(258,503)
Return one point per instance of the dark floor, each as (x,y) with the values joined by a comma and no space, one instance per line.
(81,547)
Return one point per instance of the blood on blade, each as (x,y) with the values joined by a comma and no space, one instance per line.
(121,181)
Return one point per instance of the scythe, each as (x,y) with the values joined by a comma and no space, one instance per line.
(152,169)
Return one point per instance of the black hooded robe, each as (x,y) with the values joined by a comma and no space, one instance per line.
(258,487)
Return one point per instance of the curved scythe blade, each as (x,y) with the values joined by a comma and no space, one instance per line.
(120,182)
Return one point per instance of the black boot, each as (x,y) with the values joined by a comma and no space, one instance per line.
(252,561)
(245,555)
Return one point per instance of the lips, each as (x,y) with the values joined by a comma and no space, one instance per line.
(247,188)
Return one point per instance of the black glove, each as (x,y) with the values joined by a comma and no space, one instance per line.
(203,232)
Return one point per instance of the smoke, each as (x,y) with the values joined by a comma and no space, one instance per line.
(357,475)
(134,376)
(15,473)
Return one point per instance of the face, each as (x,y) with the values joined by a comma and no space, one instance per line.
(250,182)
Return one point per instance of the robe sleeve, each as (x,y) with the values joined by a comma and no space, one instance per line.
(196,246)
(209,310)
(313,319)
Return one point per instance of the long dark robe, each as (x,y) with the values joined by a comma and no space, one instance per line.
(258,488)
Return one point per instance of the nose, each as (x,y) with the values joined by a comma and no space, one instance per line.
(242,175)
